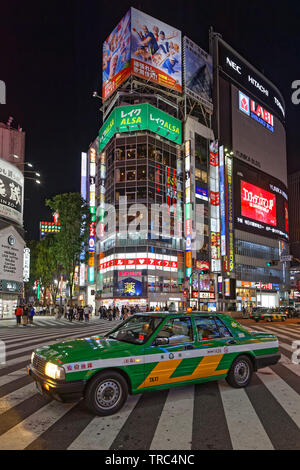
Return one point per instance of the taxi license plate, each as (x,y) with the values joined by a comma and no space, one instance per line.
(39,388)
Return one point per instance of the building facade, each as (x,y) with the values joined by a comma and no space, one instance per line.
(187,179)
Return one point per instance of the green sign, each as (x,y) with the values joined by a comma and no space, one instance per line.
(140,117)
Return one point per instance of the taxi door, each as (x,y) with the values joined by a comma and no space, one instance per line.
(169,359)
(213,340)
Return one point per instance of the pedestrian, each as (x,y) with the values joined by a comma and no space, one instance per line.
(25,315)
(86,313)
(114,313)
(80,313)
(19,313)
(70,314)
(31,314)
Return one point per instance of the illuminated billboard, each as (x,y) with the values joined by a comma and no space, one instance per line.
(198,73)
(140,117)
(11,192)
(156,53)
(261,202)
(116,57)
(258,204)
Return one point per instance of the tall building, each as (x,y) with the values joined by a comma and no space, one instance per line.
(187,179)
(294,195)
(12,146)
(249,123)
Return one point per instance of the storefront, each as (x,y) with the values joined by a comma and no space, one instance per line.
(11,271)
(203,301)
(251,294)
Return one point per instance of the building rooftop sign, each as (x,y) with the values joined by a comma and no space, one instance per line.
(134,118)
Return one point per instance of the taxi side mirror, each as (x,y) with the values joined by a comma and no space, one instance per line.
(160,341)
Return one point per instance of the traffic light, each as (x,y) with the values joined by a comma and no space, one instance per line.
(272,263)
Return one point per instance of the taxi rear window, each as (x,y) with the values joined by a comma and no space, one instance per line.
(210,328)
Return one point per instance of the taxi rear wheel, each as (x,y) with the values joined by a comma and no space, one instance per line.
(106,393)
(240,372)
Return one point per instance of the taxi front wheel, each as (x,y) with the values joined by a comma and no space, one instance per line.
(240,372)
(106,393)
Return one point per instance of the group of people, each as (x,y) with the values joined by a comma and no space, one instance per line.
(78,312)
(24,314)
(114,313)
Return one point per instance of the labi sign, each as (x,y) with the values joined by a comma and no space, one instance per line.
(140,117)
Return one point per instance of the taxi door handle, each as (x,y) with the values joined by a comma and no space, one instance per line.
(189,346)
(231,341)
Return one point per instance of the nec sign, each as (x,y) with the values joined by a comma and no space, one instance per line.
(255,111)
(2,92)
(233,65)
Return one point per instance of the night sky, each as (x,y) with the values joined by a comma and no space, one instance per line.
(51,63)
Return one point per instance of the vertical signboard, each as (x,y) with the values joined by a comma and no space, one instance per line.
(92,198)
(215,236)
(188,208)
(83,175)
(222,201)
(230,215)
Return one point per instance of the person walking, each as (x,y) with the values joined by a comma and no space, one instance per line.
(31,314)
(80,313)
(25,315)
(19,313)
(70,314)
(86,313)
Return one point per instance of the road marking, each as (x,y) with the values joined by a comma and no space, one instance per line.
(18,396)
(286,362)
(12,376)
(102,431)
(284,394)
(21,435)
(175,427)
(245,429)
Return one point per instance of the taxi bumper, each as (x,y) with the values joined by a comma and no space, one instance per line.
(62,391)
(266,360)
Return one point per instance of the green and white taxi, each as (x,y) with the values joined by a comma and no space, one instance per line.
(151,351)
(267,315)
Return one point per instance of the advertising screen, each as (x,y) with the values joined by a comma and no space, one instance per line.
(258,136)
(116,57)
(258,204)
(198,72)
(11,192)
(156,53)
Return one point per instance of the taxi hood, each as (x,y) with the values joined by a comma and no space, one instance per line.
(82,349)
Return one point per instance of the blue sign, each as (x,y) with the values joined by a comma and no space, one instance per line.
(131,287)
(202,193)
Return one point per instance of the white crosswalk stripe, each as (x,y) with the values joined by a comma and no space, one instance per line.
(175,426)
(102,431)
(175,422)
(24,433)
(245,429)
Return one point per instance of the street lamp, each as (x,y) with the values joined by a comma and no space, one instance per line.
(32,171)
(34,179)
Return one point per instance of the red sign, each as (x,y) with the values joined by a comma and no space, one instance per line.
(202,265)
(214,198)
(286,217)
(258,204)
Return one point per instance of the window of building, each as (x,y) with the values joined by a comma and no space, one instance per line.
(120,153)
(141,173)
(131,153)
(131,175)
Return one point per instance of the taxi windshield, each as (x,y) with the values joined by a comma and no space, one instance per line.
(136,329)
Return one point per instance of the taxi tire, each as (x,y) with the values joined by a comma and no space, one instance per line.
(230,379)
(90,393)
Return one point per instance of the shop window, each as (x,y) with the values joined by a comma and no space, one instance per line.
(131,153)
(131,175)
(141,173)
(120,153)
(142,151)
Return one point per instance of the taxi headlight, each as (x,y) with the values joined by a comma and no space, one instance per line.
(54,371)
(32,356)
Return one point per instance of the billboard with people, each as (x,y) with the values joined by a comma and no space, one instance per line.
(116,57)
(156,53)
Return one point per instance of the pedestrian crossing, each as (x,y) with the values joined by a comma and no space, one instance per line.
(47,322)
(263,416)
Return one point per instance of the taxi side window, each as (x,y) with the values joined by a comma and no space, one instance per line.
(207,328)
(222,328)
(177,330)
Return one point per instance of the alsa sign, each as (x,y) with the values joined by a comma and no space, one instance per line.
(255,111)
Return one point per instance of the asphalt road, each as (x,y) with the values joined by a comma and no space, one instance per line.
(265,415)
